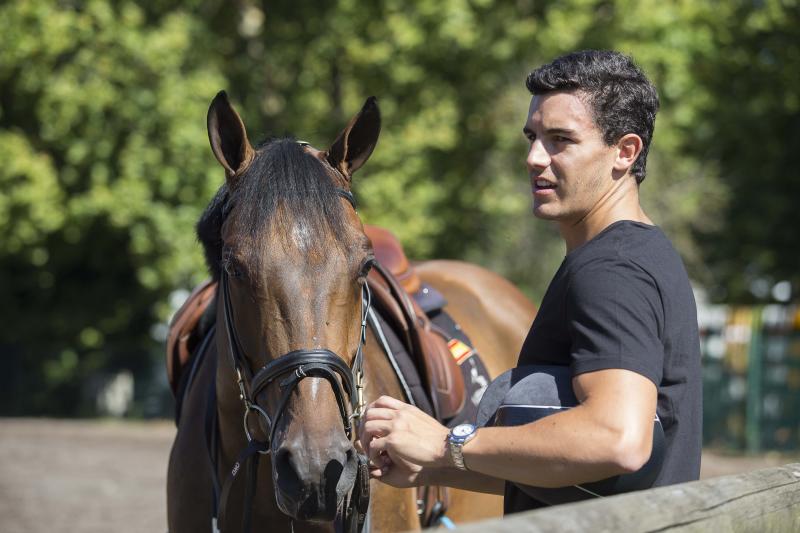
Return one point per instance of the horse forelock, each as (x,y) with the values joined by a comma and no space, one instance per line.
(285,188)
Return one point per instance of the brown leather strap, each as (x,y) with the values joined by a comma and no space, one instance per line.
(440,373)
(181,339)
(385,301)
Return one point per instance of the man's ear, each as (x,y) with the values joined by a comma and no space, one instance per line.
(355,143)
(228,136)
(628,149)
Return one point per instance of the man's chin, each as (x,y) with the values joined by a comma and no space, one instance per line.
(541,211)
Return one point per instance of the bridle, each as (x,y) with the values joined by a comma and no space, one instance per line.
(293,367)
(298,364)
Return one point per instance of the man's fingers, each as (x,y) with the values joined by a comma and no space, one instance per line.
(377,422)
(380,413)
(376,448)
(373,429)
(389,402)
(377,428)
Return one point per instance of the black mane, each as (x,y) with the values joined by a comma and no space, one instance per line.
(283,183)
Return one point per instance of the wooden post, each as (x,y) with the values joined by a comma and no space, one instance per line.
(755,379)
(762,500)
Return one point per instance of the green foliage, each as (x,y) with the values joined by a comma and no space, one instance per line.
(448,175)
(752,132)
(105,166)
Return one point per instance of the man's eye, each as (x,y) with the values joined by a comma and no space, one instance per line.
(561,139)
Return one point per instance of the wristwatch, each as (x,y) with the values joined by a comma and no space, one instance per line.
(458,437)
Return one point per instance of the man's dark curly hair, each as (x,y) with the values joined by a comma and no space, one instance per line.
(621,97)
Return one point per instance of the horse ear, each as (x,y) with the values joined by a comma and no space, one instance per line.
(355,143)
(228,136)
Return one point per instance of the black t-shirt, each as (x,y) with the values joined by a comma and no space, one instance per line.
(623,300)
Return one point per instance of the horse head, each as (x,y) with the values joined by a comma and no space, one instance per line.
(283,238)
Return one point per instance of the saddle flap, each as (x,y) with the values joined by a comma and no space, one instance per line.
(439,370)
(446,380)
(182,337)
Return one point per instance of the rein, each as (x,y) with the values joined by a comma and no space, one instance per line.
(293,367)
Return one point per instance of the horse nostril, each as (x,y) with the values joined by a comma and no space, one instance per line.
(340,452)
(350,458)
(288,478)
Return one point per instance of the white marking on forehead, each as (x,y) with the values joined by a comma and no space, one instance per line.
(301,235)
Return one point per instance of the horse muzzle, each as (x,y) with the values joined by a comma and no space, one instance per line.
(311,480)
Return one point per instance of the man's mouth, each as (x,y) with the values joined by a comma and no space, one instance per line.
(542,185)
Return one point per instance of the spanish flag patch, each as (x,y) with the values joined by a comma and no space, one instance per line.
(459,350)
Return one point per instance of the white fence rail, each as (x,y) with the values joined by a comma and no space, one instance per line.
(760,501)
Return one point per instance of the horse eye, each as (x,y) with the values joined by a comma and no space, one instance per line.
(230,265)
(366,267)
(232,270)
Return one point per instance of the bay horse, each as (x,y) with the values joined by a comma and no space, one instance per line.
(284,241)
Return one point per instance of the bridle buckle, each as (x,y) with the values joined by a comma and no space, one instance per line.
(253,407)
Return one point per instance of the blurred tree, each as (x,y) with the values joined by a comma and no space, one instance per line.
(751,129)
(448,175)
(105,167)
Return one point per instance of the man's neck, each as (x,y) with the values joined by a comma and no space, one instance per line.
(621,203)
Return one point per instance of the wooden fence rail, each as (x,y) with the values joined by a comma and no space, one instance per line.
(760,501)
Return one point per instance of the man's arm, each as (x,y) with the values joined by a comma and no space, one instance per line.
(609,433)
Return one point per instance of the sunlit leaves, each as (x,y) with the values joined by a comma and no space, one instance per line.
(31,203)
(105,168)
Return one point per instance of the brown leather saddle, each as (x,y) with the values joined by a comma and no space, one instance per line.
(184,333)
(393,281)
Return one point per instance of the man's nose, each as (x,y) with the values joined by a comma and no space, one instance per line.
(538,158)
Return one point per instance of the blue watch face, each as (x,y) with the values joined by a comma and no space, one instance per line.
(462,430)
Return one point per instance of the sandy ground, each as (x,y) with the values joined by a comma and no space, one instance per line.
(89,476)
(104,476)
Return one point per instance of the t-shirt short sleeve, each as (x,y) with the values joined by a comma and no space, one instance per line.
(615,319)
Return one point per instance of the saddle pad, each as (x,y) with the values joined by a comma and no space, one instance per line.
(476,377)
(429,299)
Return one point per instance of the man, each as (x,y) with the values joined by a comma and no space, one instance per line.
(619,311)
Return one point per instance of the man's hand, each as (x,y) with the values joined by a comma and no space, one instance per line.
(404,444)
